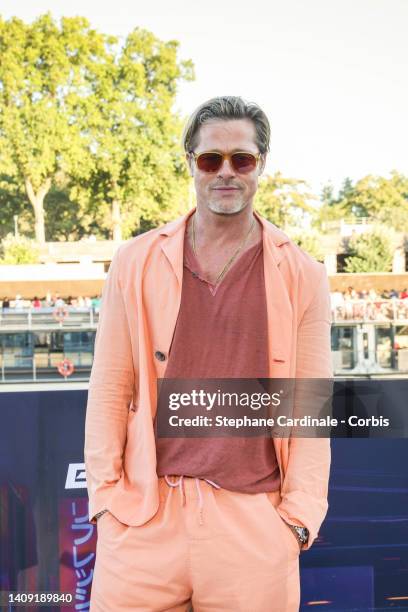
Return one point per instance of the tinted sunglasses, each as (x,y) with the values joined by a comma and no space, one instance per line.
(241,161)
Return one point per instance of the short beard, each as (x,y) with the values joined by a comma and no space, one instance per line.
(226,209)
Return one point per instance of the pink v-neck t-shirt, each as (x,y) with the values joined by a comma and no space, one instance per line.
(221,332)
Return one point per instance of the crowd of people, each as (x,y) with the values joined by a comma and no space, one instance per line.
(350,304)
(372,305)
(372,294)
(52,301)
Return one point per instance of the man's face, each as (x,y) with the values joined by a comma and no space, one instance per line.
(226,191)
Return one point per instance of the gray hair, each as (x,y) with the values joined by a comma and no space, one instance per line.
(227,108)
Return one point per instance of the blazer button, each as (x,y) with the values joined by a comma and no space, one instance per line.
(160,356)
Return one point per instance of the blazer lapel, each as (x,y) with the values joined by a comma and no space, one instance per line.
(280,321)
(279,308)
(173,244)
(166,288)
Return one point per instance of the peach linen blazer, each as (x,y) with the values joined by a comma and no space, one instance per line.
(140,303)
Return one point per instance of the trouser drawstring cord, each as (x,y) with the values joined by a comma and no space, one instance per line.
(180,485)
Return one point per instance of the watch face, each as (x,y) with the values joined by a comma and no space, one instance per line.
(303,533)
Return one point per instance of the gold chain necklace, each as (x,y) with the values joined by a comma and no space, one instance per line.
(231,259)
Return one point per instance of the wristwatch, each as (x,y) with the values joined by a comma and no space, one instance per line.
(302,533)
(100,513)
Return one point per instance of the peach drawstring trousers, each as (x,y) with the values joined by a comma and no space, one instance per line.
(209,548)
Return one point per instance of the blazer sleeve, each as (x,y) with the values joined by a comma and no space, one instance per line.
(305,486)
(110,394)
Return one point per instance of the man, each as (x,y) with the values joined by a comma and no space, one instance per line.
(218,293)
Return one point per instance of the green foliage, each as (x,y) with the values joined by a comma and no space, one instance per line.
(66,221)
(18,250)
(347,189)
(385,199)
(74,101)
(327,195)
(371,251)
(134,137)
(12,202)
(283,201)
(42,65)
(333,208)
(309,241)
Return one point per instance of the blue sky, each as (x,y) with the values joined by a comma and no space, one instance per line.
(331,74)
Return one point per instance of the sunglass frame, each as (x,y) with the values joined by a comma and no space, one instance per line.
(225,156)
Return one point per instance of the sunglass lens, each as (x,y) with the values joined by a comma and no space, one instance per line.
(243,162)
(209,162)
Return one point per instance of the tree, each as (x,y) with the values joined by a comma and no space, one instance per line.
(42,67)
(11,204)
(385,199)
(18,250)
(371,251)
(138,172)
(333,208)
(310,242)
(346,190)
(73,101)
(327,195)
(283,201)
(67,220)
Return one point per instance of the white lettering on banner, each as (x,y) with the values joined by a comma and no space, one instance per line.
(76,477)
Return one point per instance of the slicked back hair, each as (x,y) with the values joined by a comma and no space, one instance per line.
(227,108)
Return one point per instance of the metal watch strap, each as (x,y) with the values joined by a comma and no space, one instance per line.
(302,533)
(100,513)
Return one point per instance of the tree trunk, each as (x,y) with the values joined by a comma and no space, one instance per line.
(116,220)
(37,201)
